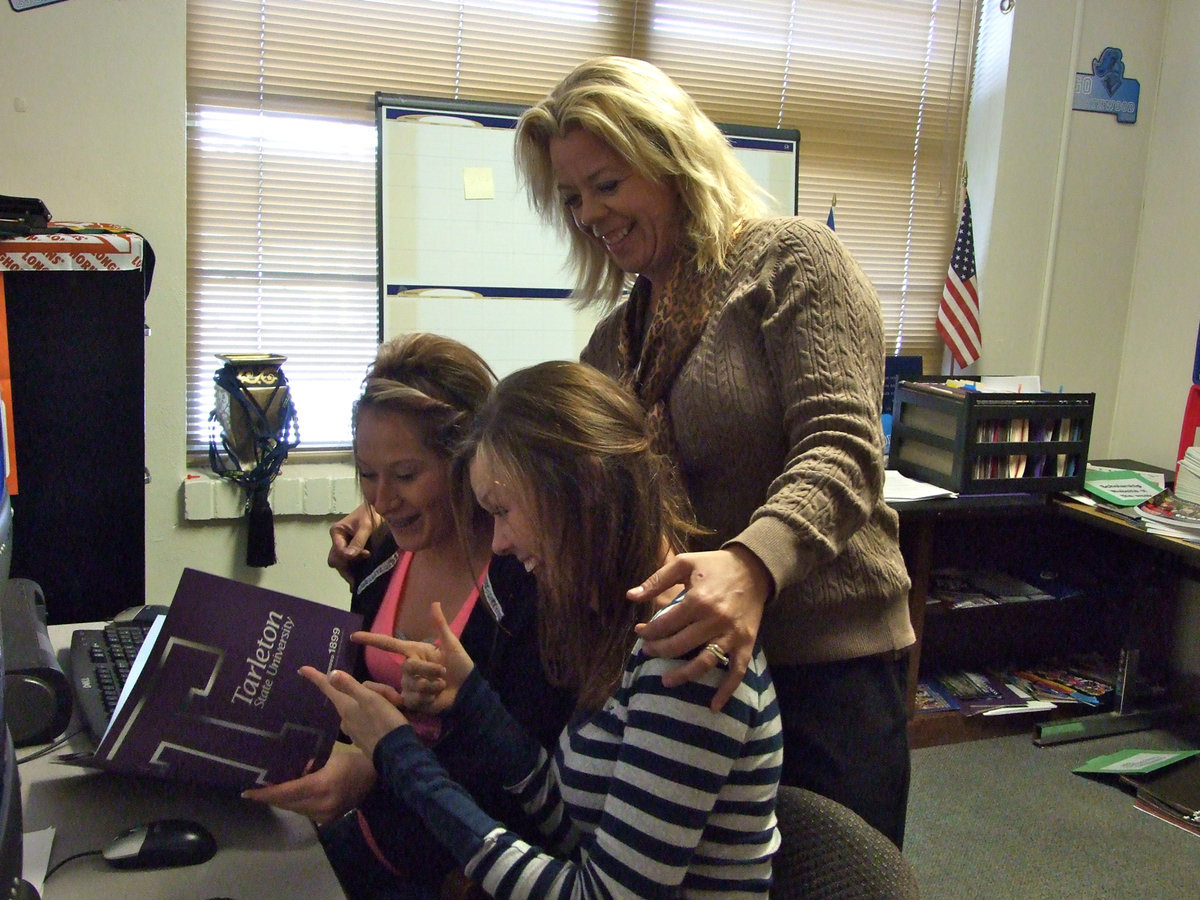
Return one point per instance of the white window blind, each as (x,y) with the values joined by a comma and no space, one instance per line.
(282,249)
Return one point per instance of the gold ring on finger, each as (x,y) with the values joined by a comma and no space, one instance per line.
(722,659)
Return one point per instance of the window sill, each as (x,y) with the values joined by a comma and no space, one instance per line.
(306,489)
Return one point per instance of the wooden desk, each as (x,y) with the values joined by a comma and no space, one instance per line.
(1128,576)
(262,852)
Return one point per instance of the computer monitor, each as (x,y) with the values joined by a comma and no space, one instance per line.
(10,790)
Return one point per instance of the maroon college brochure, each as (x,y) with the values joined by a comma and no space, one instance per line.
(215,696)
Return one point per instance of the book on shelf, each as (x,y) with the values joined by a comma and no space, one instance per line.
(214,696)
(955,588)
(1064,684)
(966,588)
(1007,588)
(928,698)
(986,694)
(1001,692)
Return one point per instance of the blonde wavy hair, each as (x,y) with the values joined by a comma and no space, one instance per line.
(652,123)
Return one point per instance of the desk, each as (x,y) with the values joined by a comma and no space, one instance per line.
(262,852)
(1122,567)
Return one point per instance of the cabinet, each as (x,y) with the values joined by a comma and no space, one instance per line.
(1127,577)
(74,307)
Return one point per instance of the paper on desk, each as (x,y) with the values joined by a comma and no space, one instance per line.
(898,488)
(1011,384)
(35,856)
(1121,487)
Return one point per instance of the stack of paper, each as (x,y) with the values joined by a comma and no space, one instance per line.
(1187,482)
(898,488)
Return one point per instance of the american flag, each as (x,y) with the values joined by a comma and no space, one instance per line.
(958,314)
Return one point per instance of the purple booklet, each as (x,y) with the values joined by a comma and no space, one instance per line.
(215,697)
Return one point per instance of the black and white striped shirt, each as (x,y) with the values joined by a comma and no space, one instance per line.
(653,796)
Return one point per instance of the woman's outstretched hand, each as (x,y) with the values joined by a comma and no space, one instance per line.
(368,710)
(726,591)
(431,675)
(326,793)
(348,538)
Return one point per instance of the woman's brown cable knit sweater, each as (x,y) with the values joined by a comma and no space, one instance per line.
(776,424)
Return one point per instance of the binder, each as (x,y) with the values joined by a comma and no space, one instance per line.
(1173,790)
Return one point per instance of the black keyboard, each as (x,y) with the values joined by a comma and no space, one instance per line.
(100,662)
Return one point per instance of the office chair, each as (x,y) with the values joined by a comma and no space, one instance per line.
(829,852)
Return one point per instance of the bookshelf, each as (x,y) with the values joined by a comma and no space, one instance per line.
(1127,579)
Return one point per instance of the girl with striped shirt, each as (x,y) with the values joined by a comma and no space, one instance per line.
(650,793)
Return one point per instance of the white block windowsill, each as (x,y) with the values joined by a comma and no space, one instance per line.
(316,489)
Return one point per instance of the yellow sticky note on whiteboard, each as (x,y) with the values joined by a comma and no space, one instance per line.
(478,183)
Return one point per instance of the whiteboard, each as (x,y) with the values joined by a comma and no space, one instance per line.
(461,251)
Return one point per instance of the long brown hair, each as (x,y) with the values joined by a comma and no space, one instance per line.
(574,445)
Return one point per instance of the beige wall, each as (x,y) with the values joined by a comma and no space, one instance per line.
(1159,343)
(1085,226)
(1083,222)
(92,121)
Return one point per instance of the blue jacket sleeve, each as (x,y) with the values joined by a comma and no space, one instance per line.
(412,772)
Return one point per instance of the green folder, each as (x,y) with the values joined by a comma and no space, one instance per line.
(1120,487)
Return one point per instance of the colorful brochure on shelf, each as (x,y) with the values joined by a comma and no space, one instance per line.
(1169,515)
(979,693)
(215,697)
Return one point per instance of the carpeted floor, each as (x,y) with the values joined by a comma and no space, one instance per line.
(1003,818)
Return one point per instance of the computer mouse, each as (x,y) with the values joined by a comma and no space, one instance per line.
(161,844)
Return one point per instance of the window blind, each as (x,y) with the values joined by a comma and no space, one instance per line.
(282,252)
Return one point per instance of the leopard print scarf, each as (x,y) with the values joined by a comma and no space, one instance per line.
(652,353)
